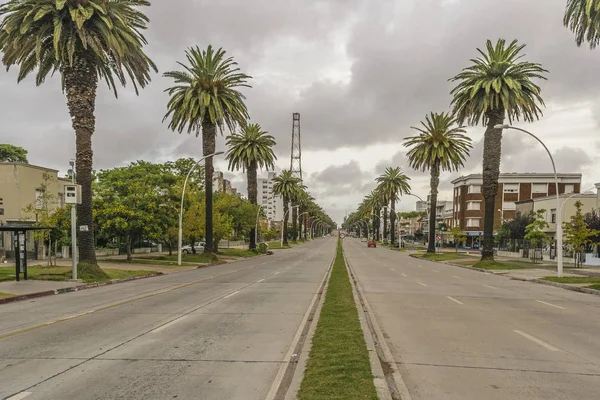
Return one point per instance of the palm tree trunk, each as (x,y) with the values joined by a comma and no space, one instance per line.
(80,83)
(434,183)
(385,226)
(306,219)
(285,220)
(209,135)
(252,197)
(393,220)
(492,150)
(294,223)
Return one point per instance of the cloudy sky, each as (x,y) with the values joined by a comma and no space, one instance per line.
(360,72)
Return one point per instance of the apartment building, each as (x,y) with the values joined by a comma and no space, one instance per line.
(443,213)
(469,205)
(220,184)
(22,185)
(272,204)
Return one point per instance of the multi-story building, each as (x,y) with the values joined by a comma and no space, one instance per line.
(272,204)
(220,184)
(469,206)
(443,213)
(22,185)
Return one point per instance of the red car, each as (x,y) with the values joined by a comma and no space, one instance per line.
(371,243)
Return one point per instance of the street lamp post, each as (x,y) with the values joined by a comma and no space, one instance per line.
(180,235)
(256,228)
(312,227)
(283,221)
(74,255)
(559,238)
(300,225)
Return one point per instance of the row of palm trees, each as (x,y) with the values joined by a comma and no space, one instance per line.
(92,40)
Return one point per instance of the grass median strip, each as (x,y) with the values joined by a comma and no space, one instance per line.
(338,366)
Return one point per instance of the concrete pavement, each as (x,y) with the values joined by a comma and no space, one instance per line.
(460,334)
(213,333)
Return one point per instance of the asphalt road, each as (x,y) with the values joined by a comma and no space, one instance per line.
(457,334)
(213,333)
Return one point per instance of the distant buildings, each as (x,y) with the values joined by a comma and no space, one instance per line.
(272,204)
(513,188)
(222,185)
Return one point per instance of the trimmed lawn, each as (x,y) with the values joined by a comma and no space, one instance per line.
(443,256)
(338,366)
(277,245)
(6,295)
(61,274)
(495,265)
(574,279)
(239,253)
(596,287)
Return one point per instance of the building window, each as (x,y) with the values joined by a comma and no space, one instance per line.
(511,188)
(473,206)
(539,188)
(38,199)
(472,222)
(569,188)
(474,189)
(553,215)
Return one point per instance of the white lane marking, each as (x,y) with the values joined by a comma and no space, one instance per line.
(19,396)
(454,300)
(422,284)
(404,275)
(551,305)
(457,277)
(489,287)
(536,340)
(262,280)
(392,269)
(165,326)
(231,294)
(276,273)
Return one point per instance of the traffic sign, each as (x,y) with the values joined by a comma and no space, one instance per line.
(438,238)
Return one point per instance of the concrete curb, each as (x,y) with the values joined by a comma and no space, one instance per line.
(395,383)
(75,288)
(286,375)
(559,285)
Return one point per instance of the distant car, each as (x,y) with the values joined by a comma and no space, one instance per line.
(199,247)
(371,243)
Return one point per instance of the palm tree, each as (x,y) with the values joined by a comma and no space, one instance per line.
(496,86)
(85,42)
(440,146)
(393,183)
(206,96)
(287,186)
(583,18)
(250,150)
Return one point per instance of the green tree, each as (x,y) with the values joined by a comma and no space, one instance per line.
(250,150)
(41,211)
(496,86)
(393,183)
(287,186)
(206,96)
(193,223)
(592,220)
(460,237)
(577,233)
(440,146)
(534,232)
(85,41)
(582,17)
(412,214)
(241,211)
(11,153)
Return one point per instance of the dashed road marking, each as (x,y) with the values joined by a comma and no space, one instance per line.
(231,294)
(454,300)
(19,396)
(536,340)
(404,275)
(422,284)
(262,280)
(551,305)
(489,287)
(165,326)
(457,277)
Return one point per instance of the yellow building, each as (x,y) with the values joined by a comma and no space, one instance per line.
(22,185)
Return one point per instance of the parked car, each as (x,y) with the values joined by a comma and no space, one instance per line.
(371,243)
(199,247)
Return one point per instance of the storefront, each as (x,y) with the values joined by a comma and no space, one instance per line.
(474,239)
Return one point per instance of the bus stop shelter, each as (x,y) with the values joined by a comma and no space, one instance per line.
(20,246)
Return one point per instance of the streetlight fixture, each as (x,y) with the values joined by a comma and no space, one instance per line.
(312,225)
(256,228)
(300,231)
(283,221)
(74,255)
(559,238)
(180,237)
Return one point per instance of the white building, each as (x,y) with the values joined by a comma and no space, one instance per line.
(272,204)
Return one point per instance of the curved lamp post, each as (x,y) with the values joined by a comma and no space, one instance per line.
(283,221)
(256,228)
(559,238)
(312,225)
(180,236)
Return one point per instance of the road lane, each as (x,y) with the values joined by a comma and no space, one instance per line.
(219,332)
(458,339)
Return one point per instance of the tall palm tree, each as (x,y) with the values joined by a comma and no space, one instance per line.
(85,42)
(287,186)
(250,150)
(440,146)
(583,18)
(497,85)
(206,96)
(393,183)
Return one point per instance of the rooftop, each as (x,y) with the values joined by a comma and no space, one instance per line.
(19,164)
(524,175)
(562,196)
